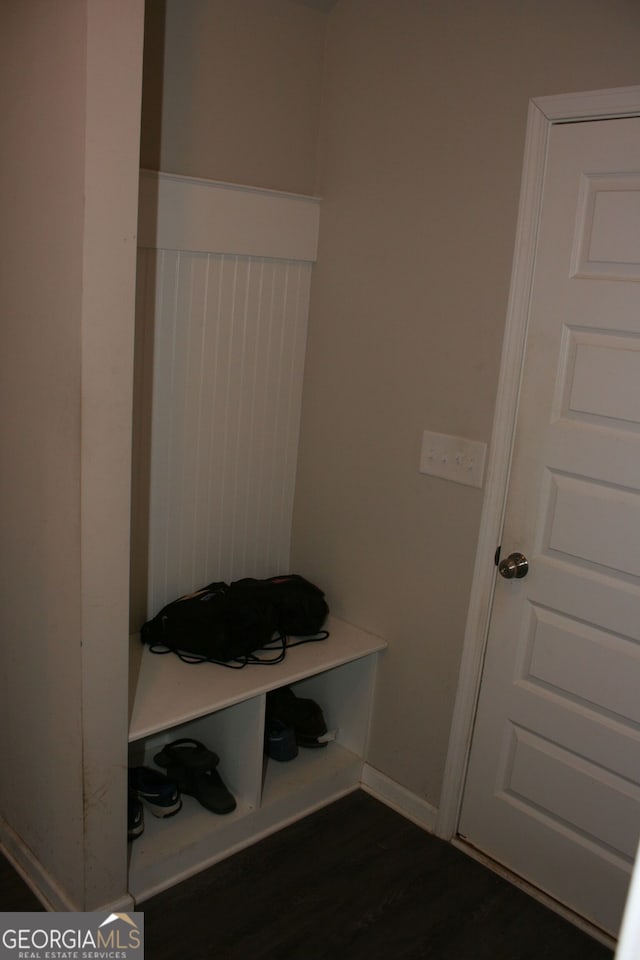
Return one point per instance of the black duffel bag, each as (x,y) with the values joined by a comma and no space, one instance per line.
(232,623)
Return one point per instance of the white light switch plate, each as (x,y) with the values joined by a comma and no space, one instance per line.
(453,458)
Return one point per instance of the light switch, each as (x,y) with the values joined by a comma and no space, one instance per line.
(453,458)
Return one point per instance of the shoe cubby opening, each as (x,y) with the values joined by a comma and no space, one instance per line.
(344,696)
(234,734)
(225,710)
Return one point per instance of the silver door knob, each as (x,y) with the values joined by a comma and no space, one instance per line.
(515,566)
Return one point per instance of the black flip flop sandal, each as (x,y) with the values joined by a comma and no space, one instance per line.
(193,767)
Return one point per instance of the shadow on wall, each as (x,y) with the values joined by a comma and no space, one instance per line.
(150,146)
(152,83)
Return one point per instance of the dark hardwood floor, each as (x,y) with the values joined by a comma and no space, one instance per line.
(353,881)
(15,895)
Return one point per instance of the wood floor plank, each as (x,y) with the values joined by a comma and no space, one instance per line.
(15,894)
(356,881)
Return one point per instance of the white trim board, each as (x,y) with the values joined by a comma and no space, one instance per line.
(42,884)
(629,942)
(543,113)
(188,214)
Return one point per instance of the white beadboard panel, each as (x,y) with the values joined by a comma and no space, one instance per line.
(184,213)
(228,357)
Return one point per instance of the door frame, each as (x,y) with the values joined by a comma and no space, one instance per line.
(543,113)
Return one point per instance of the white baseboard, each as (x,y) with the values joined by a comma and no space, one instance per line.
(124,904)
(32,872)
(399,798)
(41,883)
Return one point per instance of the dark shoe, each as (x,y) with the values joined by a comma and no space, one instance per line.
(135,825)
(159,793)
(193,767)
(304,715)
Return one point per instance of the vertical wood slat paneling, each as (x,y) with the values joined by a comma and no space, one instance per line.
(228,356)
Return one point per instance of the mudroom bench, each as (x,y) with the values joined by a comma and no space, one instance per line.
(225,709)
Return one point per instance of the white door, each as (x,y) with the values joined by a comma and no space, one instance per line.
(553,785)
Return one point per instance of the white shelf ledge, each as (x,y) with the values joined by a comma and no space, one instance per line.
(166,692)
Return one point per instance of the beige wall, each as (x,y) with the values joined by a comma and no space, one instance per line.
(421,134)
(70,94)
(424,118)
(40,692)
(236,93)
